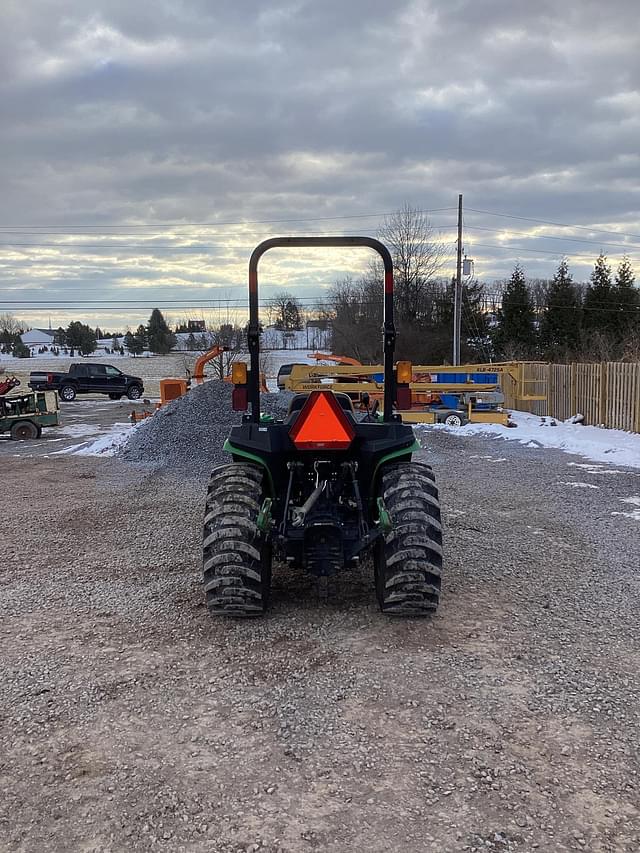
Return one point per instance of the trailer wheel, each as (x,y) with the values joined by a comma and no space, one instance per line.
(68,393)
(453,420)
(236,553)
(24,431)
(408,559)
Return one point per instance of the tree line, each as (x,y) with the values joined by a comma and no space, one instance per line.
(77,337)
(561,320)
(519,319)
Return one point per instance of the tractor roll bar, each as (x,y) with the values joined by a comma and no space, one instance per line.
(389,332)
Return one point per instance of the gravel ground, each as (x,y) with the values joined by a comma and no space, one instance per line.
(187,435)
(510,721)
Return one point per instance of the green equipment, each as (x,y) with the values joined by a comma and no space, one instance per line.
(324,486)
(24,415)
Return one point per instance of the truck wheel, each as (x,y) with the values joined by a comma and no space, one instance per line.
(134,392)
(408,559)
(68,393)
(23,431)
(236,554)
(115,396)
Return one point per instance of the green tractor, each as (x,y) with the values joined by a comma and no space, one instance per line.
(324,486)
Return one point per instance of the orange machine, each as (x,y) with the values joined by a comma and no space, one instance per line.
(205,358)
(171,389)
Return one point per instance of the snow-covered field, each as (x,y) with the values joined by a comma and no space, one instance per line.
(612,446)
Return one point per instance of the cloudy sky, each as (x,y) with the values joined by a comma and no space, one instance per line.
(148,146)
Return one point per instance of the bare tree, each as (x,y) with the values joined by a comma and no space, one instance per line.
(285,311)
(418,256)
(10,324)
(356,308)
(233,338)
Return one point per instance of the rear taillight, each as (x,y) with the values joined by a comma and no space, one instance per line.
(49,378)
(240,398)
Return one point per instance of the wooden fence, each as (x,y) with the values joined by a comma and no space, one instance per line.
(607,394)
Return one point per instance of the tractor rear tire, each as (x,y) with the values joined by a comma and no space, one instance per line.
(408,559)
(236,554)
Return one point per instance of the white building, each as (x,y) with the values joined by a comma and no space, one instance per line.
(37,338)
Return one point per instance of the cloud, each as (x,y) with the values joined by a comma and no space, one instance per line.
(128,113)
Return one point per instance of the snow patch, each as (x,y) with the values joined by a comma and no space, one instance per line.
(634,514)
(107,444)
(575,484)
(595,443)
(80,430)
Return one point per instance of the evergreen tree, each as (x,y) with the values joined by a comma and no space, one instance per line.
(142,337)
(516,332)
(561,323)
(599,314)
(161,338)
(627,302)
(133,343)
(20,350)
(81,337)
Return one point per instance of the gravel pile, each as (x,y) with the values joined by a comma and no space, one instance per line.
(187,436)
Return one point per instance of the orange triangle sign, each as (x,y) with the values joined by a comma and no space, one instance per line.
(322,424)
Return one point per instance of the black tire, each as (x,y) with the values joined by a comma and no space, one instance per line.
(115,396)
(134,392)
(453,419)
(24,431)
(236,555)
(408,560)
(67,393)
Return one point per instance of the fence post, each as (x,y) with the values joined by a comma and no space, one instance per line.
(602,402)
(637,380)
(573,390)
(551,408)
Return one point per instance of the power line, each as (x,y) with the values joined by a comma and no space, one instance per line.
(553,237)
(550,255)
(557,224)
(116,305)
(226,224)
(150,247)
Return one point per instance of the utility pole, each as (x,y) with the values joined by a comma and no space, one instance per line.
(457,297)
